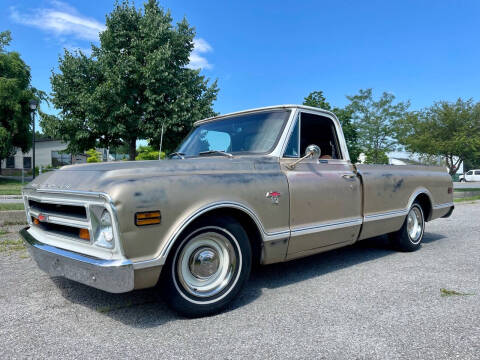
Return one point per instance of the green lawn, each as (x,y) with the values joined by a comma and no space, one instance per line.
(467,189)
(472,198)
(11,206)
(10,187)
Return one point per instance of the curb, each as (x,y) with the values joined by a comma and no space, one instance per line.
(13,217)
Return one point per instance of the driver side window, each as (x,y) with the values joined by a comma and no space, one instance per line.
(312,129)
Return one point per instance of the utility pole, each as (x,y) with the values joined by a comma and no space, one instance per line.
(33,108)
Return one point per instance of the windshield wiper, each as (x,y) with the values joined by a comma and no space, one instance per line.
(215,152)
(179,154)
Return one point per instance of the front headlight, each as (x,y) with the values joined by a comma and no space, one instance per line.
(104,233)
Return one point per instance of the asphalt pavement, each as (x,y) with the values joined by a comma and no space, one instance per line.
(360,302)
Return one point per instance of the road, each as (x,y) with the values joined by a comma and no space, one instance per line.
(463,185)
(364,302)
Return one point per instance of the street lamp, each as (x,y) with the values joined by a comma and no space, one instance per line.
(33,107)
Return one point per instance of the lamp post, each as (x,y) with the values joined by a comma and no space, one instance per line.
(33,108)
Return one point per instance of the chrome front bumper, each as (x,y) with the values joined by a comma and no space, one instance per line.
(115,276)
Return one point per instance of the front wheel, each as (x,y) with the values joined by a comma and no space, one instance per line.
(208,267)
(410,235)
(462,180)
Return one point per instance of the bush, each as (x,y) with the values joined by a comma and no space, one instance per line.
(148,153)
(93,156)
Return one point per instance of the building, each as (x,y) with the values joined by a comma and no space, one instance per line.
(48,153)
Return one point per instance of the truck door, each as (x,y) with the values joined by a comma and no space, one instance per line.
(325,193)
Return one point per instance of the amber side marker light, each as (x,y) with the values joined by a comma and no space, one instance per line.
(35,221)
(84,234)
(148,218)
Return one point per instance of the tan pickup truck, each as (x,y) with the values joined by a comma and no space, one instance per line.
(258,186)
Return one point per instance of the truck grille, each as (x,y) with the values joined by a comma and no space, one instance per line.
(59,219)
(78,212)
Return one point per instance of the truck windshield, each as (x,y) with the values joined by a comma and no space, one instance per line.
(255,133)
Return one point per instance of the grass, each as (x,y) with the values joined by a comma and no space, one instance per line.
(466,189)
(3,232)
(471,198)
(11,206)
(10,187)
(445,292)
(11,245)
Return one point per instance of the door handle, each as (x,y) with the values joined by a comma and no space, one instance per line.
(348,176)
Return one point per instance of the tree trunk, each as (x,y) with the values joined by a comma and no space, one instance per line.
(133,149)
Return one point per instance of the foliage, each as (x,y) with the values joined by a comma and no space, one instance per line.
(136,81)
(317,99)
(376,156)
(148,153)
(375,121)
(15,95)
(93,156)
(451,130)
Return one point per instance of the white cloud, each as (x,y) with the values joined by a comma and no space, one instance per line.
(60,19)
(197,58)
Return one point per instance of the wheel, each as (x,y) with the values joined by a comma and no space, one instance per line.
(410,235)
(462,180)
(207,269)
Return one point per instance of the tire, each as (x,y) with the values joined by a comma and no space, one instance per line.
(410,235)
(462,180)
(207,268)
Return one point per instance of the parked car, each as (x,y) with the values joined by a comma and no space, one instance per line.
(258,186)
(472,175)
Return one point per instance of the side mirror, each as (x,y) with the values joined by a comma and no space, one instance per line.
(312,151)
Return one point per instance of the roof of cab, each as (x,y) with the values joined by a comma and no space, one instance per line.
(265,108)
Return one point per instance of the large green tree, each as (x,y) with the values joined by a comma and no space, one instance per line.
(375,120)
(317,99)
(15,95)
(136,82)
(450,130)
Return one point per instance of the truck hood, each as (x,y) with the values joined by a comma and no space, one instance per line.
(100,176)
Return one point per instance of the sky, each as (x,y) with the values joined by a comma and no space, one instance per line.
(276,52)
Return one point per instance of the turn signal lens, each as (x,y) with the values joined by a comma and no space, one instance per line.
(84,234)
(148,218)
(35,221)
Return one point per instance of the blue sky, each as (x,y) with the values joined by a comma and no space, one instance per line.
(272,52)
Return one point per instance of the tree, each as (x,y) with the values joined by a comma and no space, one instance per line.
(134,83)
(375,121)
(317,99)
(93,156)
(15,95)
(449,130)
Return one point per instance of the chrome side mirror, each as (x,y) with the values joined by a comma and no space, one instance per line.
(312,151)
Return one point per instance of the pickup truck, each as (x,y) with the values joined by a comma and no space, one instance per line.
(254,187)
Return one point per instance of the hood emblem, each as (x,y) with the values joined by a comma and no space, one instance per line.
(274,196)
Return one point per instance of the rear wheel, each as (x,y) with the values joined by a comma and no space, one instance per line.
(208,267)
(410,235)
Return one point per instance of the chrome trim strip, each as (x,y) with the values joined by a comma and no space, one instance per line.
(326,226)
(444,205)
(385,215)
(115,276)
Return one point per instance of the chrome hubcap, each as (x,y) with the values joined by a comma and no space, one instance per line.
(414,225)
(206,264)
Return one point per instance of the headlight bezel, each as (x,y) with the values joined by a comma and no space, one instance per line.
(103,227)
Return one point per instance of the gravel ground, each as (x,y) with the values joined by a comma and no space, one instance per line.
(363,302)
